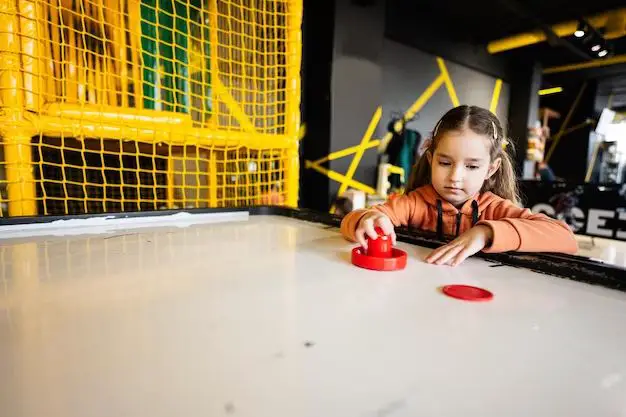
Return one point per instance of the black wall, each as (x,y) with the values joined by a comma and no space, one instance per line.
(525,85)
(407,22)
(317,55)
(570,157)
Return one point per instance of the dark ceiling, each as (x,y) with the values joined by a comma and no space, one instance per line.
(481,21)
(485,20)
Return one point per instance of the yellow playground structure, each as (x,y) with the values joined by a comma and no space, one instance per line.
(129,105)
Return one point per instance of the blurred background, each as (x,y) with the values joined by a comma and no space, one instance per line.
(554,73)
(140,105)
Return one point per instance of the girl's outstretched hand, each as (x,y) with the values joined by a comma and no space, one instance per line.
(462,247)
(367,225)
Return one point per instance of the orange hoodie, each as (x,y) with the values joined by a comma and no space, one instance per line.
(514,228)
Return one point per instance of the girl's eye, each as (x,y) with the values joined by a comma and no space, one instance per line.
(444,163)
(473,167)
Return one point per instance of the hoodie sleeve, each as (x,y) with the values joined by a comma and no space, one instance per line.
(518,229)
(402,211)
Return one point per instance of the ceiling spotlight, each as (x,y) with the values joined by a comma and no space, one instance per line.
(582,29)
(595,48)
(603,53)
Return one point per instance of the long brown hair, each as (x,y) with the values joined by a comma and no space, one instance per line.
(482,122)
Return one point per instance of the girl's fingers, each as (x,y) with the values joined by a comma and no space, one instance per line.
(437,253)
(387,227)
(369,229)
(385,224)
(434,254)
(450,254)
(360,238)
(470,249)
(461,256)
(390,230)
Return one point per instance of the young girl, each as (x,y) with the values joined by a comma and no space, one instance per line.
(464,185)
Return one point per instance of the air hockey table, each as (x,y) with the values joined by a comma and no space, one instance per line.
(261,313)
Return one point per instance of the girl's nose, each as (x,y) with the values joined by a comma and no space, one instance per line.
(457,174)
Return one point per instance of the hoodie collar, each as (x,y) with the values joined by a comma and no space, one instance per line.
(431,196)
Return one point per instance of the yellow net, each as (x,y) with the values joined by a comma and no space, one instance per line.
(127,105)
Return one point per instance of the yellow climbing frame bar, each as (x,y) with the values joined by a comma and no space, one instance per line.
(132,105)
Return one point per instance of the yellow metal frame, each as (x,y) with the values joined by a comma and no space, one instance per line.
(129,123)
(17,151)
(294,54)
(614,60)
(495,96)
(448,82)
(23,113)
(548,91)
(361,148)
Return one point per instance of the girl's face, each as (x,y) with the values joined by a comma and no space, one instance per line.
(460,165)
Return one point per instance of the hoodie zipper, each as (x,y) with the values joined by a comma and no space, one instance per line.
(475,216)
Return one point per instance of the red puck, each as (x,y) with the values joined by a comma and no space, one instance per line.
(467,292)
